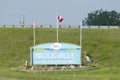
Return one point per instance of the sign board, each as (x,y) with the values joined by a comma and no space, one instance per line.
(56,54)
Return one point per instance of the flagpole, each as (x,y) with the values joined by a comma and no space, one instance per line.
(81,35)
(81,43)
(57,27)
(59,19)
(34,33)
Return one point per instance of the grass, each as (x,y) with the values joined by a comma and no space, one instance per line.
(99,74)
(102,45)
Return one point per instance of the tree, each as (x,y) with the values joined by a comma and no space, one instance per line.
(103,18)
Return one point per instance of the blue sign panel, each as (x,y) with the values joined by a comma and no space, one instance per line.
(56,54)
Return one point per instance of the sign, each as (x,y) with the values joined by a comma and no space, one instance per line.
(56,54)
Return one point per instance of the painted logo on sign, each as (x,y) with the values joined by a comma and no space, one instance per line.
(56,46)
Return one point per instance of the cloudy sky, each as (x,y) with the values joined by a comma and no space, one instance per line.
(43,12)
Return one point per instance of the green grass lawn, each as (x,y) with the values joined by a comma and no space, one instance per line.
(98,74)
(102,45)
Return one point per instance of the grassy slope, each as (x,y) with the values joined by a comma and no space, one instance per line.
(16,42)
(101,44)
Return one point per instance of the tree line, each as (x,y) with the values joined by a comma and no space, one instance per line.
(103,18)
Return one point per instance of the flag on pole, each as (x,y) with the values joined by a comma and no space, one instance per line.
(35,25)
(60,18)
(84,23)
(34,36)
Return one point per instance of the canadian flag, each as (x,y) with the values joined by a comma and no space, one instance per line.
(60,18)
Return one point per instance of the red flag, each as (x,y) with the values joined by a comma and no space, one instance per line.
(35,25)
(60,18)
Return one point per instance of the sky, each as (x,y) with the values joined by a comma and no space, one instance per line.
(43,12)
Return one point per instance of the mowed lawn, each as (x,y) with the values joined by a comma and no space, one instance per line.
(102,45)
